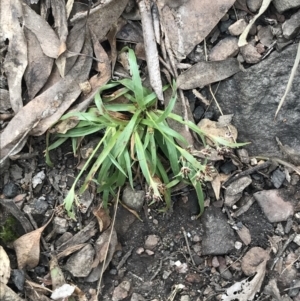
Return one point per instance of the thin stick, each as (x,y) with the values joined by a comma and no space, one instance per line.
(188,247)
(109,240)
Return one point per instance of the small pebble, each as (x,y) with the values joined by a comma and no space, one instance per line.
(238,245)
(10,190)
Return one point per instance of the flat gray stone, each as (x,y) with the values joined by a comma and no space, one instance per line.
(253,96)
(80,263)
(218,238)
(134,199)
(234,191)
(275,208)
(283,5)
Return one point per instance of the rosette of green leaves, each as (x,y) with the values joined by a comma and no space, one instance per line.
(136,141)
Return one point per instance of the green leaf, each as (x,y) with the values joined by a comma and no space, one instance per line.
(136,79)
(126,133)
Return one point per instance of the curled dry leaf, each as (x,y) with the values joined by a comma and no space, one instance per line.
(102,217)
(42,30)
(39,65)
(16,58)
(27,248)
(4,266)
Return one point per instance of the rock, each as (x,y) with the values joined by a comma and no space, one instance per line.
(80,263)
(226,48)
(250,54)
(133,199)
(198,113)
(37,208)
(38,179)
(297,239)
(277,178)
(60,224)
(238,27)
(18,279)
(227,167)
(10,190)
(291,27)
(252,259)
(137,297)
(151,242)
(253,96)
(283,5)
(236,188)
(121,291)
(273,206)
(218,237)
(65,237)
(265,35)
(243,155)
(16,172)
(254,5)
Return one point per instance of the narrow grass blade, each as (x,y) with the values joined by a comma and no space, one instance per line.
(137,82)
(144,166)
(124,137)
(57,143)
(111,143)
(128,163)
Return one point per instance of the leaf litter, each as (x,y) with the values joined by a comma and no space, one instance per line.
(72,52)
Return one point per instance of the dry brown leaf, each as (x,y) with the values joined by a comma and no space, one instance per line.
(101,245)
(44,33)
(216,185)
(102,217)
(205,73)
(57,276)
(39,65)
(7,294)
(101,17)
(60,22)
(4,266)
(192,22)
(27,248)
(246,290)
(16,58)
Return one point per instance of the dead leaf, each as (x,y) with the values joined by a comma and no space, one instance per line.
(246,290)
(16,58)
(245,235)
(192,22)
(102,244)
(216,185)
(7,294)
(211,128)
(39,65)
(252,259)
(57,276)
(59,12)
(46,36)
(4,266)
(27,248)
(102,217)
(205,73)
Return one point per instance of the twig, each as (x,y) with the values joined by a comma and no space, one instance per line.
(247,172)
(125,257)
(109,240)
(188,246)
(280,252)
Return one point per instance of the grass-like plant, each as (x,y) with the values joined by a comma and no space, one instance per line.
(136,141)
